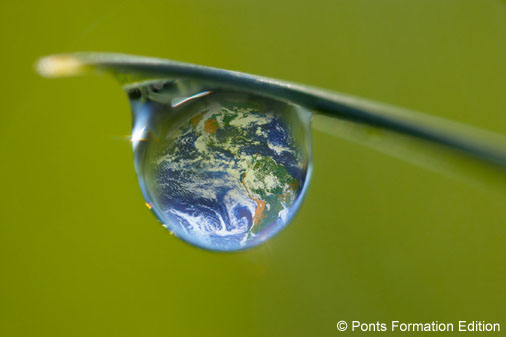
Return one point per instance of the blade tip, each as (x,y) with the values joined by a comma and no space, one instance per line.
(59,66)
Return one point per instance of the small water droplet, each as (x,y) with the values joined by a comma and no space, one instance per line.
(223,170)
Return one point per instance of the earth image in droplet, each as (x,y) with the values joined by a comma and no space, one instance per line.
(230,175)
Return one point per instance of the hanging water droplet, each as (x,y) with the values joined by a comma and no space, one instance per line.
(223,170)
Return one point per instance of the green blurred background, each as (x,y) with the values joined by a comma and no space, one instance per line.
(377,239)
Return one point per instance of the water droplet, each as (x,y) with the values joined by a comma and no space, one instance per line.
(224,170)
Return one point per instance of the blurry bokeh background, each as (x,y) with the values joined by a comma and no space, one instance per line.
(377,238)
